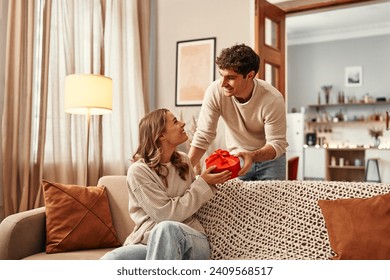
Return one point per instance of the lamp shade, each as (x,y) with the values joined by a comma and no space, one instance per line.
(87,93)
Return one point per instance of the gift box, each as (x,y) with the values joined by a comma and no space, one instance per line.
(224,161)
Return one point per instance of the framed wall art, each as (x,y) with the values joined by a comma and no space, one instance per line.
(354,76)
(195,70)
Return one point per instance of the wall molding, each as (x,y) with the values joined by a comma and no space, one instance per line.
(339,34)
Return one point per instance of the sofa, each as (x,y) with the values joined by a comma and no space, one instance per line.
(274,220)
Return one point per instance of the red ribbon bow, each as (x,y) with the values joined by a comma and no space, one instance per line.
(220,154)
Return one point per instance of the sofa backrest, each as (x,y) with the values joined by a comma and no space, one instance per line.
(119,204)
(275,219)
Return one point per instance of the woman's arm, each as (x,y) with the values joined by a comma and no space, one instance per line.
(151,195)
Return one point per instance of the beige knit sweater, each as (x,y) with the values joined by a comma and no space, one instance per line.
(150,202)
(250,125)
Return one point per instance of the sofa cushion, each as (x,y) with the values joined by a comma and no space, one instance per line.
(92,254)
(118,196)
(77,217)
(358,228)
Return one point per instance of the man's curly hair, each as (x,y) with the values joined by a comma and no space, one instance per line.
(239,58)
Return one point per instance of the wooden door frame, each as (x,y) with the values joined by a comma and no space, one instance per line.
(289,8)
(297,6)
(268,54)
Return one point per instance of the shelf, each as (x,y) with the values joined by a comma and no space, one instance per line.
(349,104)
(347,167)
(345,123)
(346,149)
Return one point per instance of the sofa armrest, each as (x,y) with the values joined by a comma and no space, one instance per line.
(23,234)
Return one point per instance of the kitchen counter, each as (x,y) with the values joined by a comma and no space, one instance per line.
(345,163)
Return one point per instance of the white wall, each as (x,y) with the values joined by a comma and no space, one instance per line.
(311,66)
(230,21)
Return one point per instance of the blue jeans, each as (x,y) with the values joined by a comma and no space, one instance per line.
(168,240)
(267,170)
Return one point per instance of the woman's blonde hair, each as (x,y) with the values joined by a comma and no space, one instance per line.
(151,127)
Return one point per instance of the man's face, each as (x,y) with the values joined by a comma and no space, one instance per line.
(235,84)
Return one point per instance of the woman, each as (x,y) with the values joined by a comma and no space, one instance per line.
(164,195)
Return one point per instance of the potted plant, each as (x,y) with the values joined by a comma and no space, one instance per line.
(376,133)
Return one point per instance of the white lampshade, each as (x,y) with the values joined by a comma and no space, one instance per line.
(87,93)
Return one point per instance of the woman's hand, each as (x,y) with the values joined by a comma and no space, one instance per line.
(215,178)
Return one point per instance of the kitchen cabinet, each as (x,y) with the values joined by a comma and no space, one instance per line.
(314,163)
(336,127)
(325,164)
(345,164)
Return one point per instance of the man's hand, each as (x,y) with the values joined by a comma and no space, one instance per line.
(266,153)
(248,160)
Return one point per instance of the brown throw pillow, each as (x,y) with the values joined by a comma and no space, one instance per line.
(77,218)
(358,228)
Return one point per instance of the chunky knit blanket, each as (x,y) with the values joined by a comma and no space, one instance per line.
(275,220)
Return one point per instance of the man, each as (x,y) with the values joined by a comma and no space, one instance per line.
(254,116)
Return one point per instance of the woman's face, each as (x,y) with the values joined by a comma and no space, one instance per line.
(174,134)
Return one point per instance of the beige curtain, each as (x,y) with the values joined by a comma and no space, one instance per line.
(76,46)
(26,50)
(100,37)
(39,139)
(126,60)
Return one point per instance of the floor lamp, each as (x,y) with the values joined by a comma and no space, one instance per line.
(87,94)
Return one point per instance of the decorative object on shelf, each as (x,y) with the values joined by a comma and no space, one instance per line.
(376,132)
(341,97)
(319,98)
(327,90)
(368,98)
(340,116)
(354,76)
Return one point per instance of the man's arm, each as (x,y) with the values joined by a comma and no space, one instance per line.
(195,154)
(266,153)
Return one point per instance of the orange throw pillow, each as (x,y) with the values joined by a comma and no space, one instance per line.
(77,218)
(358,228)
